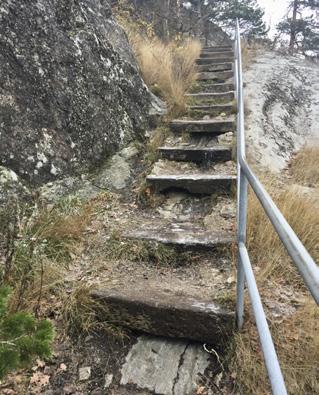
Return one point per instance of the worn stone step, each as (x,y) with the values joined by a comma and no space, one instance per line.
(193,183)
(216,67)
(217,76)
(210,87)
(211,109)
(197,154)
(218,48)
(206,61)
(186,235)
(213,98)
(216,55)
(215,127)
(165,312)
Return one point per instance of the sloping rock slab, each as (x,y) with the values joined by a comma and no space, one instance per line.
(164,313)
(164,366)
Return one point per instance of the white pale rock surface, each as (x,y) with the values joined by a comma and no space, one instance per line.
(166,367)
(282,97)
(84,373)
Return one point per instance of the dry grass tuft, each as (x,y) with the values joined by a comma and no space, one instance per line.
(169,69)
(264,244)
(84,314)
(305,166)
(297,344)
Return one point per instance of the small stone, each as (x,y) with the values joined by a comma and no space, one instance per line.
(84,373)
(231,280)
(108,380)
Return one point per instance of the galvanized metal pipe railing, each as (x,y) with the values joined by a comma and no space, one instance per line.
(300,256)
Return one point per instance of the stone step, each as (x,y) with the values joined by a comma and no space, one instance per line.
(193,183)
(216,55)
(218,49)
(212,110)
(184,235)
(217,76)
(212,126)
(162,311)
(216,67)
(197,154)
(204,61)
(214,98)
(209,87)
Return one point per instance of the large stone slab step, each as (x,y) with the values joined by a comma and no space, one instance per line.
(216,67)
(215,97)
(214,127)
(193,183)
(197,154)
(207,61)
(216,55)
(165,312)
(217,76)
(184,235)
(212,110)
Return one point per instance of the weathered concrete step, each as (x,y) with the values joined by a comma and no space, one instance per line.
(165,313)
(216,55)
(211,97)
(210,87)
(215,127)
(212,110)
(218,76)
(184,235)
(193,183)
(216,67)
(197,154)
(206,61)
(218,48)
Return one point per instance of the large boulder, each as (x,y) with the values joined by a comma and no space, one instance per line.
(70,91)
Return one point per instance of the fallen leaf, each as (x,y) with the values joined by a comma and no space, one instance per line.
(38,378)
(63,367)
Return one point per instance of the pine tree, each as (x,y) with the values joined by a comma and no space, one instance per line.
(301,25)
(22,337)
(226,12)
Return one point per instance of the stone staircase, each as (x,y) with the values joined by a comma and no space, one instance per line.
(196,176)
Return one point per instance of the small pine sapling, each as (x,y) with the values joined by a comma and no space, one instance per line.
(22,337)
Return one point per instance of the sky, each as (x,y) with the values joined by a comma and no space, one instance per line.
(275,10)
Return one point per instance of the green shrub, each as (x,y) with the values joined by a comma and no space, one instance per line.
(22,337)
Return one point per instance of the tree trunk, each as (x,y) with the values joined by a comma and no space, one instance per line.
(166,20)
(293,27)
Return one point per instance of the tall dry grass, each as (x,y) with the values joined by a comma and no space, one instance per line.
(264,244)
(305,166)
(169,69)
(296,340)
(296,331)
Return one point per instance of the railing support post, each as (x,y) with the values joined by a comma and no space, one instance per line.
(240,294)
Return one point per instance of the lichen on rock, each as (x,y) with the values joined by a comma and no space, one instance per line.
(69,97)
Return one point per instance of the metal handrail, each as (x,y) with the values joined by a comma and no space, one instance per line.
(298,253)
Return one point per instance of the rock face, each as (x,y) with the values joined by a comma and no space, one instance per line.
(282,97)
(70,92)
